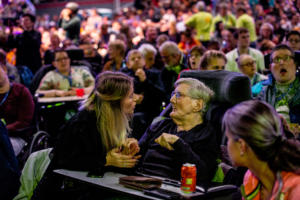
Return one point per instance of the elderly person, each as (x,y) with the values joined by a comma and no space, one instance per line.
(185,138)
(174,61)
(149,52)
(247,66)
(65,80)
(256,141)
(213,60)
(96,137)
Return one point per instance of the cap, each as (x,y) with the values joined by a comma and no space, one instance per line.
(72,6)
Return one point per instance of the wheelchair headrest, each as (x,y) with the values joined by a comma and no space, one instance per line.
(229,87)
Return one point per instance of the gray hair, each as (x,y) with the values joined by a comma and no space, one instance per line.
(171,47)
(147,48)
(200,6)
(197,90)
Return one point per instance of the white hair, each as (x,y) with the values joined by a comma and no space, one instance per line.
(146,48)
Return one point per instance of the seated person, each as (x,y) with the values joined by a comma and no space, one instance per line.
(256,141)
(213,60)
(185,138)
(282,88)
(64,80)
(247,66)
(195,56)
(16,109)
(147,86)
(96,137)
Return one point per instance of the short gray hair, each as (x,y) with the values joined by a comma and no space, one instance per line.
(197,90)
(171,47)
(147,48)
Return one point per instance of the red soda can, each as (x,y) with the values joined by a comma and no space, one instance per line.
(188,178)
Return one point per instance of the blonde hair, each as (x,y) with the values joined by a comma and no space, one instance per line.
(112,123)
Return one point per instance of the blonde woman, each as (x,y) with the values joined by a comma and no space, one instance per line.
(96,137)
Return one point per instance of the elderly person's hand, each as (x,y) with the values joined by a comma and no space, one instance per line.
(130,147)
(166,140)
(117,159)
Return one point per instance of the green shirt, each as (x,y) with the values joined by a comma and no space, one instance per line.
(228,21)
(202,22)
(246,21)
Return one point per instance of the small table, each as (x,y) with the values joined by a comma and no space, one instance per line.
(110,181)
(60,99)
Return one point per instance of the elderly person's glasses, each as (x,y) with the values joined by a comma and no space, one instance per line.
(62,59)
(177,94)
(249,64)
(278,59)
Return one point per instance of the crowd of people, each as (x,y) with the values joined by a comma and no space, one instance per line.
(129,66)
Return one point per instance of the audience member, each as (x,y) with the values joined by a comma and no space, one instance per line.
(16,110)
(293,40)
(202,22)
(256,141)
(185,138)
(228,19)
(195,56)
(282,87)
(246,21)
(213,60)
(70,21)
(116,55)
(229,42)
(149,53)
(174,61)
(28,44)
(247,66)
(96,137)
(65,80)
(243,42)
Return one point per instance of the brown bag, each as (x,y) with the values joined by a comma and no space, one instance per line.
(140,182)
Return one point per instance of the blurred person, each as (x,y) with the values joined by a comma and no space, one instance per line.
(11,71)
(95,139)
(246,21)
(148,87)
(161,39)
(202,22)
(247,66)
(185,137)
(70,21)
(16,111)
(187,41)
(228,40)
(282,87)
(151,36)
(54,45)
(195,56)
(293,40)
(256,141)
(243,47)
(149,53)
(94,21)
(174,62)
(27,44)
(116,55)
(65,80)
(224,16)
(213,60)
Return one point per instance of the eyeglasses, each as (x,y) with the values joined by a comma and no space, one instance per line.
(249,64)
(278,59)
(293,41)
(62,59)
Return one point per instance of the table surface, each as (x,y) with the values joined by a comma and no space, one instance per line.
(110,181)
(60,99)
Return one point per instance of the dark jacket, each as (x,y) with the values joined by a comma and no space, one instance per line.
(79,148)
(197,146)
(28,49)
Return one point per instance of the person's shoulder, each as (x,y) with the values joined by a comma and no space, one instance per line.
(257,52)
(18,87)
(231,53)
(161,124)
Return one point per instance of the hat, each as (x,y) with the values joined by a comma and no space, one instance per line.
(72,6)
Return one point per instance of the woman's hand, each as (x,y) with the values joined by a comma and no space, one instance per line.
(166,140)
(130,147)
(117,159)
